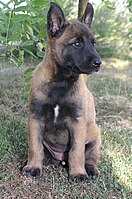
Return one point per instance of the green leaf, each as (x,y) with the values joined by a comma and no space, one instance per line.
(60,3)
(3,16)
(29,52)
(35,19)
(40,46)
(40,3)
(21,17)
(130,10)
(2,27)
(28,79)
(40,54)
(29,30)
(35,38)
(14,62)
(28,43)
(35,29)
(41,34)
(21,8)
(27,87)
(14,37)
(16,27)
(2,38)
(29,70)
(109,5)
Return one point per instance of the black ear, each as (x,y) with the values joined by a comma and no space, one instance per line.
(88,15)
(55,19)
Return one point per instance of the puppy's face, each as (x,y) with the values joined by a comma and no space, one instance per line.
(72,42)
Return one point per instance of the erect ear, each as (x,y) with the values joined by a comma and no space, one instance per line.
(55,19)
(88,15)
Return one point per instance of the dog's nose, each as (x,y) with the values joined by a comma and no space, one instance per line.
(97,62)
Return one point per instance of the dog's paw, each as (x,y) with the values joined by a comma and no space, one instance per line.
(92,172)
(31,172)
(78,178)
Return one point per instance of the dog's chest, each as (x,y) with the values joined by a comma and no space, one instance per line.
(57,114)
(60,105)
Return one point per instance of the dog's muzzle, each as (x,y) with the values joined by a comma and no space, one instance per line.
(92,67)
(96,63)
(95,66)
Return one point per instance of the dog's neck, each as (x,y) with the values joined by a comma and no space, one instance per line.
(59,73)
(64,74)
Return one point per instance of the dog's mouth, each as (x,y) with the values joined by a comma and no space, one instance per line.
(77,70)
(88,70)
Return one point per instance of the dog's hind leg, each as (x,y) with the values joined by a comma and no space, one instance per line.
(36,149)
(92,149)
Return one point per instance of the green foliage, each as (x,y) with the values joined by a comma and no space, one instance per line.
(23,29)
(23,32)
(112,29)
(70,8)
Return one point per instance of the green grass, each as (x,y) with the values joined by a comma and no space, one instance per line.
(112,88)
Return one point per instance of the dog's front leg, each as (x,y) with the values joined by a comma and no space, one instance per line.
(36,150)
(76,159)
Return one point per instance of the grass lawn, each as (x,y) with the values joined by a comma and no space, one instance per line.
(112,88)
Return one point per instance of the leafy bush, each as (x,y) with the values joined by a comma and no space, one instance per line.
(23,29)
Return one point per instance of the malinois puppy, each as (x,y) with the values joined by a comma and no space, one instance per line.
(61,121)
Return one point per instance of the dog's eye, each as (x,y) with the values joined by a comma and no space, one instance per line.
(93,42)
(76,44)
